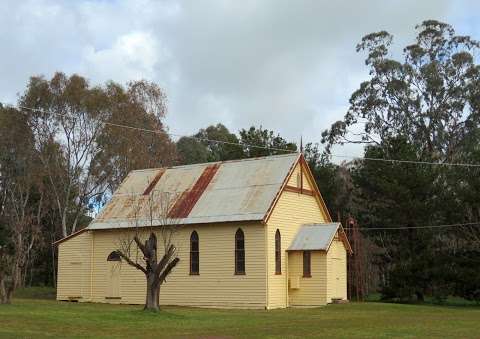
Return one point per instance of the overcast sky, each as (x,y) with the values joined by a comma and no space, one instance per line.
(287,65)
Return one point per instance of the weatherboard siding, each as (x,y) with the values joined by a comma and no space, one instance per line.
(291,211)
(295,177)
(336,271)
(74,267)
(312,290)
(215,286)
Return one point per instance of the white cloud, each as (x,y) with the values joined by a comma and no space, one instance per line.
(290,66)
(132,56)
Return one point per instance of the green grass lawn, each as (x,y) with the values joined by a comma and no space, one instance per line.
(48,318)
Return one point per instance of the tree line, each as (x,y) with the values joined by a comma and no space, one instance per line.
(62,160)
(63,152)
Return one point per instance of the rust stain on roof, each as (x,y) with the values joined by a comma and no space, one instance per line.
(154,182)
(239,190)
(184,205)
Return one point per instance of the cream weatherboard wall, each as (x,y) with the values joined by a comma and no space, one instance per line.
(74,266)
(336,271)
(215,286)
(312,290)
(291,211)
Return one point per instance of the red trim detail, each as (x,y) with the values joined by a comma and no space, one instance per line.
(184,205)
(279,192)
(294,189)
(315,187)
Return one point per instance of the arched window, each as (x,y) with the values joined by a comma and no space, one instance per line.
(239,252)
(114,256)
(278,253)
(194,254)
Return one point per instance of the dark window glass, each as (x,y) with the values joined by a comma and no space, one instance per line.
(278,253)
(239,252)
(194,254)
(114,256)
(306,264)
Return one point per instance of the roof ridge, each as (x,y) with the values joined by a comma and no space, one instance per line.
(220,162)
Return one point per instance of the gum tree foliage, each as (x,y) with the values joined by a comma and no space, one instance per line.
(61,161)
(199,149)
(424,107)
(83,157)
(429,97)
(22,201)
(274,143)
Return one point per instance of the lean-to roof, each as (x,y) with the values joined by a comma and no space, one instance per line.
(318,237)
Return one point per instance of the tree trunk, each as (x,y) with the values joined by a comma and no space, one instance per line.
(420,297)
(5,293)
(152,300)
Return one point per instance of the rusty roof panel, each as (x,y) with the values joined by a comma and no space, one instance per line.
(187,201)
(154,182)
(213,192)
(137,181)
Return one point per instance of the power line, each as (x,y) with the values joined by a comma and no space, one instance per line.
(163,132)
(353,157)
(412,227)
(406,161)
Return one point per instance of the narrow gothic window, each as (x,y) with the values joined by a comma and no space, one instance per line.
(194,254)
(278,253)
(239,252)
(307,264)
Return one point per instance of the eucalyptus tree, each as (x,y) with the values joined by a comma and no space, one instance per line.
(22,200)
(82,141)
(429,97)
(269,142)
(422,107)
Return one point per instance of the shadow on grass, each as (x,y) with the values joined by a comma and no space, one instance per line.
(429,301)
(37,292)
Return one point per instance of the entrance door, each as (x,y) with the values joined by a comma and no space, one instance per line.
(72,278)
(114,266)
(337,282)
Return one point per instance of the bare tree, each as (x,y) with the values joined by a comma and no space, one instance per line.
(139,246)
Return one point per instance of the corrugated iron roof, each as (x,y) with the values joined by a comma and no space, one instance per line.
(237,190)
(314,237)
